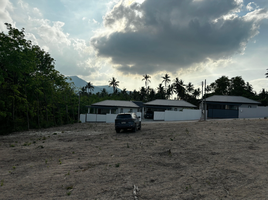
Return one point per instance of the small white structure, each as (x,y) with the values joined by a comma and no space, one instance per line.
(106,111)
(172,110)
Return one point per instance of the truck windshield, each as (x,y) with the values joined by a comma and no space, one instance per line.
(123,116)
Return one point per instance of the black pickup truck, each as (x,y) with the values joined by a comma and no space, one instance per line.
(126,121)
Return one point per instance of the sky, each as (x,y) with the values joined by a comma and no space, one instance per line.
(194,40)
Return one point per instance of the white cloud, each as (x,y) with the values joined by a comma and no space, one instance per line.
(148,37)
(252,6)
(5,9)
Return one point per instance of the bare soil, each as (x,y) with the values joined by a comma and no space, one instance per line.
(218,159)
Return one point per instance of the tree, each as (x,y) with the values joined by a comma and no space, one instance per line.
(190,88)
(33,93)
(221,86)
(90,87)
(166,79)
(160,92)
(114,83)
(178,86)
(146,77)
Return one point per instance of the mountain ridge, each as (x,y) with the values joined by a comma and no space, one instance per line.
(79,83)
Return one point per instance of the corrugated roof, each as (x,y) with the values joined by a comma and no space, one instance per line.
(231,99)
(116,103)
(170,103)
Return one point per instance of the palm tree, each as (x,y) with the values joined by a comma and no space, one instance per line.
(114,83)
(266,74)
(146,77)
(160,92)
(90,87)
(169,91)
(196,93)
(179,88)
(166,79)
(190,88)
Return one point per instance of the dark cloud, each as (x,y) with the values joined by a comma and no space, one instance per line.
(168,35)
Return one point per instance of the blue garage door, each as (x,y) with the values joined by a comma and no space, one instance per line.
(220,113)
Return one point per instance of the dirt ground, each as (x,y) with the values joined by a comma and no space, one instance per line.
(219,159)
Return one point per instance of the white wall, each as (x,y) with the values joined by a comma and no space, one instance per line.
(83,118)
(259,112)
(159,116)
(110,118)
(186,114)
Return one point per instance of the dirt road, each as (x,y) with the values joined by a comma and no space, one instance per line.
(196,160)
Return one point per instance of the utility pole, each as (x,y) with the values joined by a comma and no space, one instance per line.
(205,106)
(78,118)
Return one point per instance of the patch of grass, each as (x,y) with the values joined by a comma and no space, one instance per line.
(12,145)
(14,167)
(187,131)
(27,144)
(127,145)
(2,182)
(44,138)
(46,161)
(55,133)
(73,152)
(117,165)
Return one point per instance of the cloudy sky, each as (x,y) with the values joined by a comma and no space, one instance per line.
(190,39)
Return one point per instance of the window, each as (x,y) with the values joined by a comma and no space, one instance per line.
(249,106)
(121,110)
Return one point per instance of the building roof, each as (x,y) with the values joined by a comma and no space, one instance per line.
(170,103)
(139,103)
(115,103)
(231,99)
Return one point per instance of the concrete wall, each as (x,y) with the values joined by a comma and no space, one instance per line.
(83,118)
(248,106)
(186,114)
(110,118)
(159,116)
(259,112)
(107,118)
(169,115)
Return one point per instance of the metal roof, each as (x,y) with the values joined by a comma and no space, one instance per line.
(170,103)
(231,99)
(115,103)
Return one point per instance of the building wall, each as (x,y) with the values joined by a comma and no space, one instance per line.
(248,106)
(259,112)
(106,118)
(185,114)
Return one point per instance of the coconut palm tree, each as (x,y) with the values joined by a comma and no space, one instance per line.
(179,88)
(196,93)
(166,80)
(190,88)
(114,83)
(146,77)
(89,87)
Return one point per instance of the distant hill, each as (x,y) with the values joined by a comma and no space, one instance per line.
(79,83)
